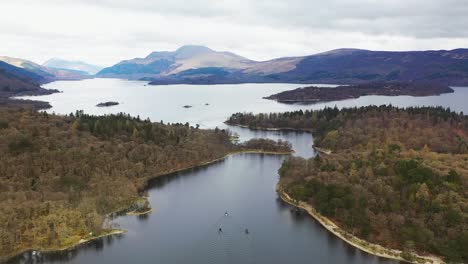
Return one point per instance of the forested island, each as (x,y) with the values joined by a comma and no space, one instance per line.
(63,175)
(313,94)
(107,104)
(394,177)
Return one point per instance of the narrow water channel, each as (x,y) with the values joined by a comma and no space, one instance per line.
(189,206)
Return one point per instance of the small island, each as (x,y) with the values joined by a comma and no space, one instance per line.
(313,94)
(107,104)
(385,179)
(187,106)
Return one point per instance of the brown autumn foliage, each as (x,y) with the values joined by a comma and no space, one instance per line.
(397,177)
(314,94)
(61,175)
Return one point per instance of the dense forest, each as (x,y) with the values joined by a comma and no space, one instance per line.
(414,125)
(396,177)
(61,175)
(313,94)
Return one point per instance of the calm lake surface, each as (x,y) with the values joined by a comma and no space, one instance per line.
(189,206)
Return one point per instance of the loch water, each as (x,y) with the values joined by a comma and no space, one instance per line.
(189,206)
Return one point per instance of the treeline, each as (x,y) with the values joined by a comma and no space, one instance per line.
(407,201)
(443,126)
(313,94)
(396,177)
(129,128)
(267,145)
(61,175)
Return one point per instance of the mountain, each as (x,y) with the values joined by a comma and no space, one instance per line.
(197,63)
(21,73)
(167,63)
(77,66)
(16,81)
(47,74)
(357,66)
(201,65)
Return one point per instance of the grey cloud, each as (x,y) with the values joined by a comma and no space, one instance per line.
(105,31)
(417,18)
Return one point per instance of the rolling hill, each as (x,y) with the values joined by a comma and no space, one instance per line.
(47,74)
(201,65)
(16,81)
(194,62)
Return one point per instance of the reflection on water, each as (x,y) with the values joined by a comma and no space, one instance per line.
(301,141)
(188,207)
(96,245)
(143,217)
(166,102)
(159,182)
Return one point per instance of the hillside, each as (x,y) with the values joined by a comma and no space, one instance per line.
(46,74)
(171,63)
(16,81)
(201,65)
(62,175)
(356,66)
(395,177)
(313,94)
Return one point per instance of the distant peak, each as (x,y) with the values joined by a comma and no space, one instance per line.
(51,60)
(341,51)
(189,51)
(184,52)
(193,48)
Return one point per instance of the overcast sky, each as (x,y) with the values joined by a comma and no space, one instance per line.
(107,31)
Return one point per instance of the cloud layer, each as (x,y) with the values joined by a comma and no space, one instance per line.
(106,31)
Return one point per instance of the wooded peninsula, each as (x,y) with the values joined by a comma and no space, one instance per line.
(394,177)
(62,175)
(313,94)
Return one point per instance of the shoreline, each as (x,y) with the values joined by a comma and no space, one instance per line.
(350,239)
(218,159)
(122,231)
(316,94)
(270,129)
(318,149)
(82,241)
(134,213)
(323,150)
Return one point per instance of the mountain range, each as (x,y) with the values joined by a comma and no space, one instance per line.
(201,65)
(192,63)
(23,77)
(77,66)
(43,74)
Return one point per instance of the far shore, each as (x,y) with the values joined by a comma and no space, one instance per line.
(270,128)
(247,151)
(370,248)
